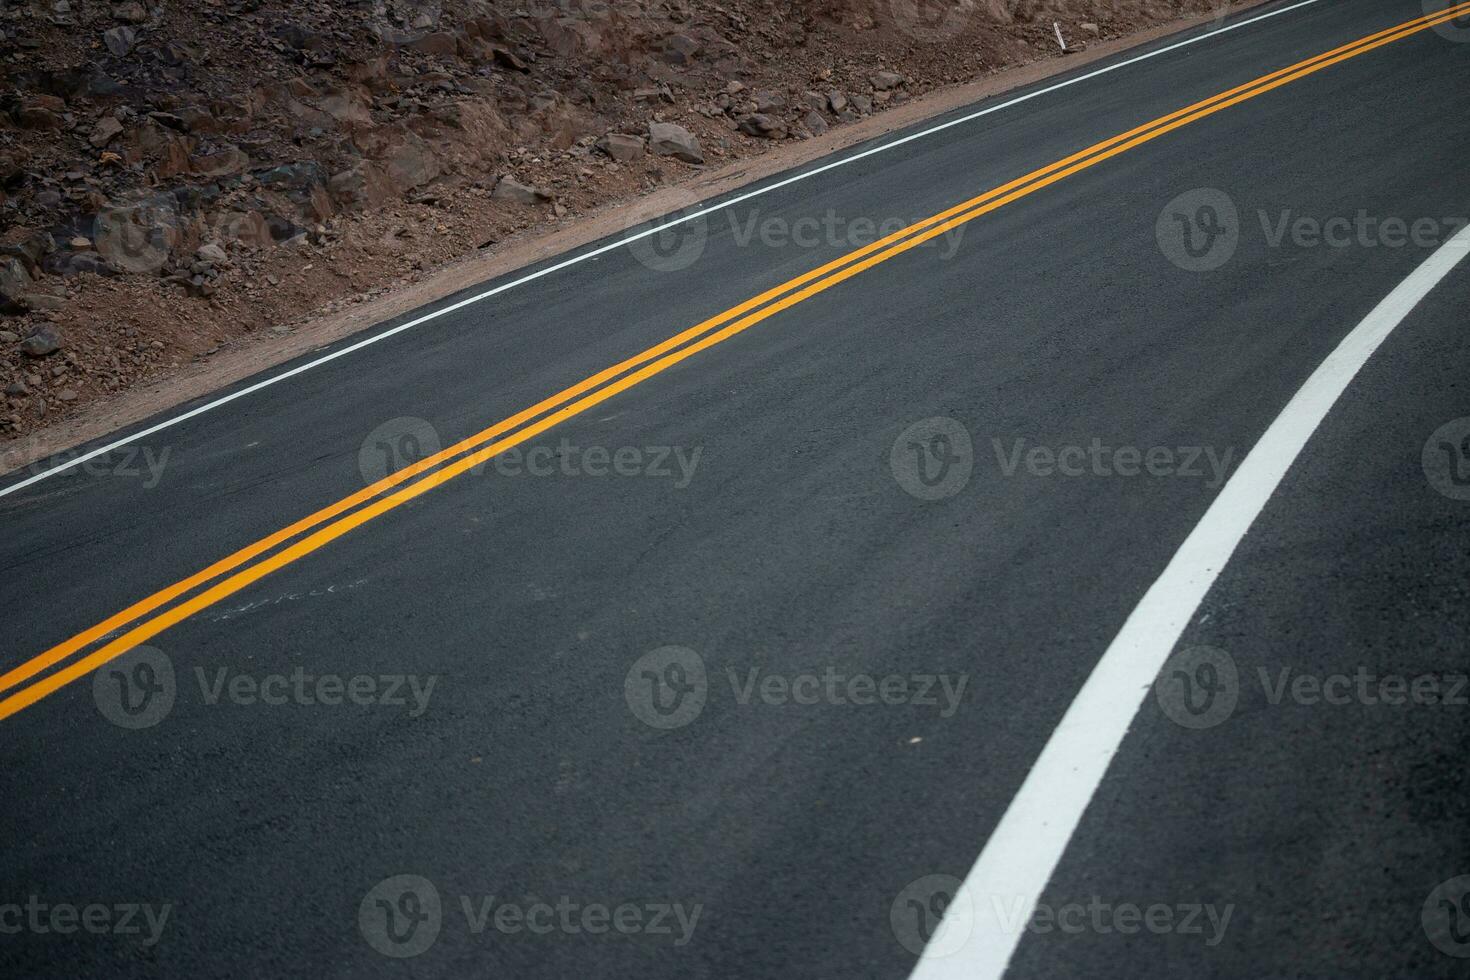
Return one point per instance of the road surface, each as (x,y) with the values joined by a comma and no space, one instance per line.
(731,663)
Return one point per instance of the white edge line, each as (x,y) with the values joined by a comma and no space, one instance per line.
(1000,893)
(301,368)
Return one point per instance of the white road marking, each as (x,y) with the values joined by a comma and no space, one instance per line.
(1001,890)
(575,260)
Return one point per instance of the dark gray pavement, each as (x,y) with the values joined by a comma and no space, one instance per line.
(789,547)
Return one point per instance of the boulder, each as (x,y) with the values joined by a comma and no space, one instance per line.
(246,227)
(225,163)
(130,13)
(410,163)
(767,100)
(41,342)
(213,254)
(673,140)
(197,119)
(440,44)
(622,147)
(345,109)
(569,37)
(38,117)
(42,301)
(360,186)
(76,263)
(760,124)
(680,49)
(507,188)
(508,59)
(105,132)
(120,40)
(15,281)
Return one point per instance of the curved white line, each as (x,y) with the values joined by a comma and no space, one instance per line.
(1001,891)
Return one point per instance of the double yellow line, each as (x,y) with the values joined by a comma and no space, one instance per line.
(154,614)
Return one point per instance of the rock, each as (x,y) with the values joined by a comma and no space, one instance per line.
(8,337)
(105,132)
(882,81)
(440,44)
(509,189)
(346,109)
(570,37)
(225,163)
(212,253)
(1089,27)
(735,88)
(300,38)
(302,183)
(41,342)
(862,104)
(410,164)
(622,147)
(42,301)
(175,54)
(17,389)
(196,119)
(760,124)
(76,263)
(30,249)
(130,13)
(673,140)
(120,40)
(836,100)
(66,395)
(680,49)
(767,99)
(507,59)
(490,28)
(815,100)
(813,121)
(38,117)
(653,93)
(246,227)
(15,281)
(360,186)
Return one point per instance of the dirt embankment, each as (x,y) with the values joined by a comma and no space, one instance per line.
(178,180)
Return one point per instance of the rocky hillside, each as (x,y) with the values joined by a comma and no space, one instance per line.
(178,176)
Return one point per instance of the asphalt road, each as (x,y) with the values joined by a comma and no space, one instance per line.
(583,802)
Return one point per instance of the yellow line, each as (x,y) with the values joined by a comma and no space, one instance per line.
(161,598)
(814,282)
